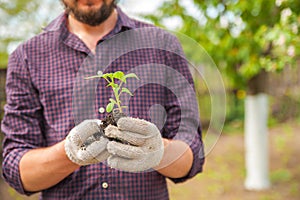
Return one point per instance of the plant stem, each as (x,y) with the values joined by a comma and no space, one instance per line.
(117,99)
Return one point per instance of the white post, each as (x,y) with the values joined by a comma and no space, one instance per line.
(256,142)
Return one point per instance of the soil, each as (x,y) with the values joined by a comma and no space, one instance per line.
(110,119)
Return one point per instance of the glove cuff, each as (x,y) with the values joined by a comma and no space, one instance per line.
(68,150)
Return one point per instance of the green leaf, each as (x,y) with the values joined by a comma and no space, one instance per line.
(108,75)
(131,75)
(127,91)
(110,107)
(113,85)
(118,75)
(123,79)
(112,101)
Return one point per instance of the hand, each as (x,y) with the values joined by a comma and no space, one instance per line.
(141,146)
(82,147)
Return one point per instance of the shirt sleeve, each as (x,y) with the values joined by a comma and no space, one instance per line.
(183,121)
(21,124)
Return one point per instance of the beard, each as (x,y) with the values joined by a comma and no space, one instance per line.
(92,17)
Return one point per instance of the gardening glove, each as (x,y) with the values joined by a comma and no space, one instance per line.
(83,147)
(136,146)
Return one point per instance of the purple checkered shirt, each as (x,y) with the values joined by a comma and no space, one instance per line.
(40,109)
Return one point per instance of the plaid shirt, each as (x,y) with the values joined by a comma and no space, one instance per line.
(47,96)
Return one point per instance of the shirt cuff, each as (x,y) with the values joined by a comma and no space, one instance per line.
(11,172)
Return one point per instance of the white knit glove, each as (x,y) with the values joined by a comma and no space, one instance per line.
(141,147)
(82,147)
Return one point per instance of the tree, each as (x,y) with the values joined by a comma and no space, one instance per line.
(246,39)
(20,20)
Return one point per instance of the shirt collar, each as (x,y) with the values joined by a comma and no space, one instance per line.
(60,23)
(57,24)
(124,20)
(59,27)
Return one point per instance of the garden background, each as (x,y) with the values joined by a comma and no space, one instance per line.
(255,46)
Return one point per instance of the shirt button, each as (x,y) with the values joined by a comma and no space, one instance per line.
(101,110)
(104,185)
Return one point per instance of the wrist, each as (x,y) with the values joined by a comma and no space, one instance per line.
(166,142)
(49,163)
(164,162)
(60,150)
(177,159)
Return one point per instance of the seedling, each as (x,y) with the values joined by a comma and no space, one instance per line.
(118,88)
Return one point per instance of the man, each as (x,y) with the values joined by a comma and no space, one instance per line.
(45,151)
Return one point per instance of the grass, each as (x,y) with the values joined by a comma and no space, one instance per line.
(224,172)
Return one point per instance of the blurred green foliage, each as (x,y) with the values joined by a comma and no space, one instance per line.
(244,38)
(20,20)
(9,10)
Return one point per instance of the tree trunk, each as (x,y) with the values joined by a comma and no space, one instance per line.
(256,134)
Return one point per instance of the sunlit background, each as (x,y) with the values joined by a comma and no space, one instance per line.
(256,47)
